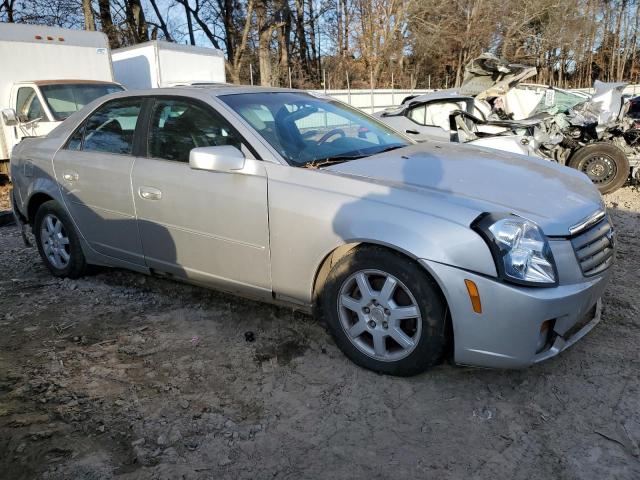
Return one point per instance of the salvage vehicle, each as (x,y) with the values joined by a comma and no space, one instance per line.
(406,250)
(46,74)
(594,135)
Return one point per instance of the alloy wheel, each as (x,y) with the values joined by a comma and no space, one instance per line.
(379,315)
(55,242)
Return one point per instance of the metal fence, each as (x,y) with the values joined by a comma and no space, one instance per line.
(371,101)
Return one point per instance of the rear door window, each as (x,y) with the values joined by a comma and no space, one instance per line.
(110,129)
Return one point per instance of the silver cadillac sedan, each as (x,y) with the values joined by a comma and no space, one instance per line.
(408,252)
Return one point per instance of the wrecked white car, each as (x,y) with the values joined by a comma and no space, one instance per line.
(590,133)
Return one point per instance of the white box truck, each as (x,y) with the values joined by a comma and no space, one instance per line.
(158,64)
(46,74)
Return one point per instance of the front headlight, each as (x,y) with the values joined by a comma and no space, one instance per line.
(520,249)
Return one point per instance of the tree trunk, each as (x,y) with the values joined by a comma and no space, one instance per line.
(283,16)
(339,28)
(106,23)
(302,38)
(89,21)
(230,31)
(138,29)
(315,61)
(163,24)
(616,42)
(264,41)
(240,48)
(347,23)
(187,12)
(8,6)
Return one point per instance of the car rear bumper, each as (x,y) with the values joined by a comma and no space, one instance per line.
(509,333)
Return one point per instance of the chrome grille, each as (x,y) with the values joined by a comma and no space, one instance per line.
(595,248)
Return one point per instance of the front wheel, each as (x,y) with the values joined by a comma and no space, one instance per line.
(384,312)
(605,165)
(58,242)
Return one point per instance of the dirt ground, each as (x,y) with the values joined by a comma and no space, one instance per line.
(5,203)
(118,375)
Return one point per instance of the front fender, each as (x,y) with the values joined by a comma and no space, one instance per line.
(309,218)
(416,234)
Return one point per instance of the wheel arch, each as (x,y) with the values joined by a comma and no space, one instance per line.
(34,203)
(324,267)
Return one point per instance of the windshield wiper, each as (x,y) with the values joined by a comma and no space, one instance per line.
(323,162)
(388,149)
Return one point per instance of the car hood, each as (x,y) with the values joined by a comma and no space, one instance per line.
(482,180)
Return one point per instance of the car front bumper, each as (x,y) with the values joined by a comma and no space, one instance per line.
(508,331)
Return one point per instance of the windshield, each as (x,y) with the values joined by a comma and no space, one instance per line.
(307,130)
(557,101)
(67,98)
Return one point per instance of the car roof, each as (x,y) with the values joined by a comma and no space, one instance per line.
(214,90)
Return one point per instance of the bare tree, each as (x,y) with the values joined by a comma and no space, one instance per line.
(106,23)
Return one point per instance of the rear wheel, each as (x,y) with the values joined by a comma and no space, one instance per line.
(605,164)
(58,242)
(385,312)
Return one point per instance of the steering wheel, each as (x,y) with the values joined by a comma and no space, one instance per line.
(331,133)
(309,134)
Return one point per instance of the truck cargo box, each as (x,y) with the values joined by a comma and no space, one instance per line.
(46,73)
(158,63)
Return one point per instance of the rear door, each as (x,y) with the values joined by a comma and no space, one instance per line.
(208,227)
(94,172)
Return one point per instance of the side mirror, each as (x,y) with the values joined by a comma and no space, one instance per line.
(9,117)
(225,158)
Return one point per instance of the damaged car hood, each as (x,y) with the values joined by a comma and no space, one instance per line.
(490,76)
(483,180)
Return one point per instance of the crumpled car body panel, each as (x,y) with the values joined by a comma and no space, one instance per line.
(489,76)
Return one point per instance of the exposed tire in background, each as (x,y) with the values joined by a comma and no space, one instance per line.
(605,164)
(385,312)
(58,243)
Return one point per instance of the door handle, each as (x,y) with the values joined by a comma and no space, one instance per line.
(70,177)
(149,193)
(413,132)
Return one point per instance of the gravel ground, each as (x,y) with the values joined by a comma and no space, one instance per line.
(5,203)
(118,375)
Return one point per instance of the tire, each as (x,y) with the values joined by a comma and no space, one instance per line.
(605,165)
(344,309)
(54,248)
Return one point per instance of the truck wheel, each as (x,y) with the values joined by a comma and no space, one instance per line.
(58,242)
(385,312)
(605,164)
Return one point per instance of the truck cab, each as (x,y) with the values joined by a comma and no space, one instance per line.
(46,74)
(38,107)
